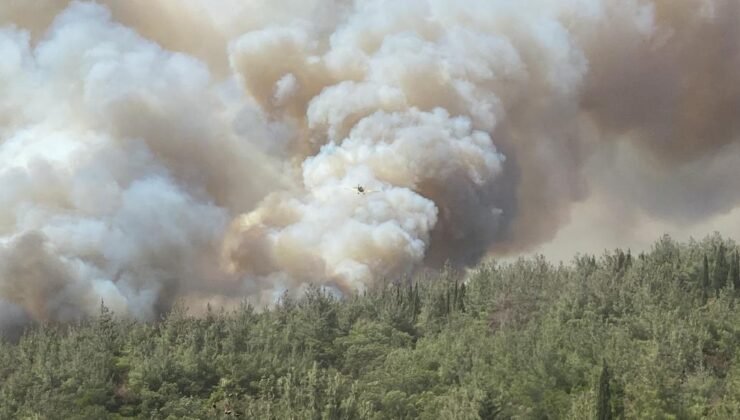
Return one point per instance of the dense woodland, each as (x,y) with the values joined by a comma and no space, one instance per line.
(653,335)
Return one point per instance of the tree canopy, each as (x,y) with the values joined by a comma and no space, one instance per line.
(614,336)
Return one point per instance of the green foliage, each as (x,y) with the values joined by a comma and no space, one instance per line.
(604,409)
(734,273)
(523,340)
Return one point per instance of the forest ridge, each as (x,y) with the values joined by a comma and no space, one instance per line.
(653,335)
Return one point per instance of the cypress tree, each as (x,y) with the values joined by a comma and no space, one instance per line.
(621,259)
(461,304)
(416,301)
(454,297)
(734,275)
(719,277)
(603,410)
(705,280)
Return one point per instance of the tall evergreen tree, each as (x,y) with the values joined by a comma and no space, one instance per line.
(603,409)
(705,279)
(461,303)
(719,276)
(621,259)
(416,302)
(734,275)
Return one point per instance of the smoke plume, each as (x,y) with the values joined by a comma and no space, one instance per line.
(154,150)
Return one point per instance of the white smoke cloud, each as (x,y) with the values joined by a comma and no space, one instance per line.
(211,150)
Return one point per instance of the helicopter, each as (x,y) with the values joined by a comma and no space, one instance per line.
(362,190)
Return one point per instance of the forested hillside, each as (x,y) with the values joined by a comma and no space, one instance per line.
(618,335)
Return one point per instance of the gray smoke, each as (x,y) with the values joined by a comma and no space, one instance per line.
(209,151)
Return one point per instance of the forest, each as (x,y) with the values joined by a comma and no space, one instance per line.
(615,335)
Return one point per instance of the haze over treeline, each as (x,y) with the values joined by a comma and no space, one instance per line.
(152,151)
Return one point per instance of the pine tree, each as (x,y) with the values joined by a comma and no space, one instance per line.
(105,328)
(603,409)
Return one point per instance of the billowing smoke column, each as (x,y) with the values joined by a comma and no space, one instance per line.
(155,150)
